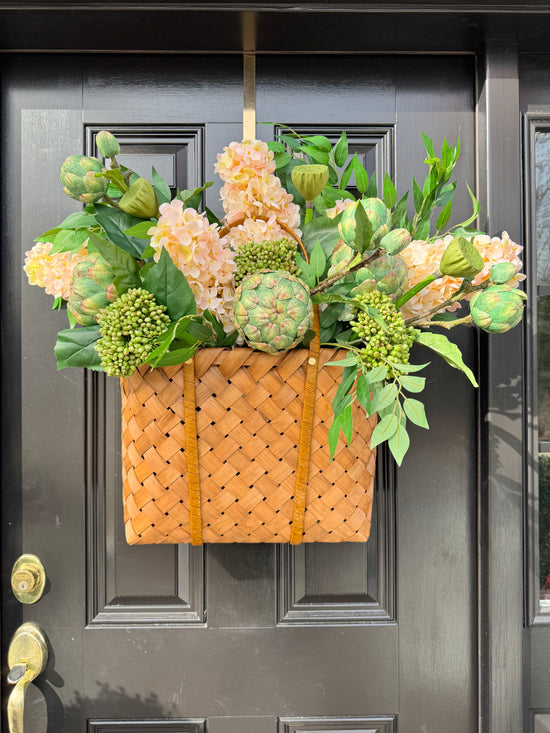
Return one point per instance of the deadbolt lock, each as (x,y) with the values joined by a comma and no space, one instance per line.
(28,579)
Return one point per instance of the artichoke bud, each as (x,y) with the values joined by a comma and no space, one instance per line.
(387,274)
(107,144)
(461,259)
(140,200)
(341,258)
(502,272)
(92,289)
(395,241)
(310,180)
(497,309)
(79,179)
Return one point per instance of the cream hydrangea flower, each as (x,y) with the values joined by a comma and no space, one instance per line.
(255,230)
(54,272)
(204,257)
(339,206)
(241,161)
(498,249)
(422,259)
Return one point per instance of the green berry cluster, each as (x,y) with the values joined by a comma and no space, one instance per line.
(128,329)
(255,256)
(393,344)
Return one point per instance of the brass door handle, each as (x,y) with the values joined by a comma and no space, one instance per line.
(27,658)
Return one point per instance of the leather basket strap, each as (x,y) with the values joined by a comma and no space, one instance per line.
(192,451)
(306,432)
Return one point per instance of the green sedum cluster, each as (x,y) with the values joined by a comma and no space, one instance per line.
(129,328)
(393,341)
(255,256)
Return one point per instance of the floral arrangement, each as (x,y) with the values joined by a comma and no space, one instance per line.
(148,278)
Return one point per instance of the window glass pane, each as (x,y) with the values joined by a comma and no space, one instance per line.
(544,530)
(543,346)
(542,209)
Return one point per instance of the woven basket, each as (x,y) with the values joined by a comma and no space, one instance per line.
(234,475)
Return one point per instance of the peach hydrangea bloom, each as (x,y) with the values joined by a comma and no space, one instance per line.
(54,272)
(495,249)
(204,257)
(340,205)
(422,259)
(240,161)
(254,230)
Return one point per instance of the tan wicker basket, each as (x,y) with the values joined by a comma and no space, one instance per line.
(248,433)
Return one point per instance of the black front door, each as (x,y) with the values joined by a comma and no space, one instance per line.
(228,639)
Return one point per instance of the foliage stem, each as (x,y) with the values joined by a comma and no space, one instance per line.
(417,288)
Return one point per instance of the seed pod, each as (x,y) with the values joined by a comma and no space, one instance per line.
(310,180)
(140,200)
(502,272)
(460,259)
(107,144)
(395,241)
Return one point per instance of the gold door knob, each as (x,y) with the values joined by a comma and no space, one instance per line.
(28,579)
(27,658)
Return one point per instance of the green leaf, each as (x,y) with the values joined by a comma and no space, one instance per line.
(68,240)
(476,207)
(333,435)
(316,155)
(124,266)
(428,144)
(162,189)
(346,383)
(346,175)
(178,356)
(423,229)
(346,362)
(406,368)
(201,332)
(140,230)
(169,286)
(340,150)
(78,220)
(418,198)
(306,272)
(362,391)
(363,229)
(384,430)
(212,218)
(281,159)
(75,347)
(317,260)
(323,230)
(192,199)
(400,220)
(412,384)
(378,374)
(346,423)
(414,410)
(444,216)
(399,442)
(292,142)
(319,141)
(449,351)
(115,223)
(385,397)
(361,176)
(275,147)
(390,194)
(372,188)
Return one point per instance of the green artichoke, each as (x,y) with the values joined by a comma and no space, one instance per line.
(388,274)
(497,309)
(255,256)
(78,176)
(395,241)
(92,289)
(140,200)
(273,310)
(107,144)
(341,258)
(378,215)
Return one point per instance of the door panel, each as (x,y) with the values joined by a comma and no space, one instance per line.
(228,638)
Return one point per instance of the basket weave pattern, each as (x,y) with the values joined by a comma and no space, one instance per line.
(248,427)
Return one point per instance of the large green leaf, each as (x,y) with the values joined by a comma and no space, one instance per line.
(124,266)
(439,343)
(115,223)
(384,430)
(169,286)
(323,230)
(68,240)
(399,442)
(162,189)
(340,150)
(75,347)
(78,220)
(414,409)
